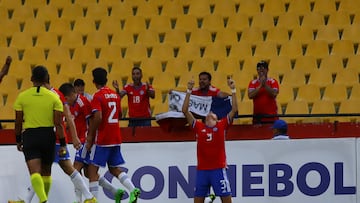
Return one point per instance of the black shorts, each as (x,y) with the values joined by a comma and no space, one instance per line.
(39,143)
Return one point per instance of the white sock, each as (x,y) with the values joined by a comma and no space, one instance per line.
(125,180)
(78,195)
(103,182)
(94,188)
(207,200)
(79,184)
(29,194)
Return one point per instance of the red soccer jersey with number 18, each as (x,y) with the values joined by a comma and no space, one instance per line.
(138,101)
(108,102)
(81,110)
(211,144)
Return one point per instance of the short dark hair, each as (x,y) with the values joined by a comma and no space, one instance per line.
(100,76)
(66,89)
(205,73)
(262,63)
(40,74)
(79,82)
(136,68)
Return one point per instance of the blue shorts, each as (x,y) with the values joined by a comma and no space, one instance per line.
(57,157)
(110,155)
(217,179)
(82,155)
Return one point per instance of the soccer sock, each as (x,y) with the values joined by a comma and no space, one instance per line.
(47,184)
(94,188)
(30,194)
(78,195)
(207,200)
(38,185)
(103,182)
(79,183)
(125,180)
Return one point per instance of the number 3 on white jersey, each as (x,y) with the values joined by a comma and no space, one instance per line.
(111,118)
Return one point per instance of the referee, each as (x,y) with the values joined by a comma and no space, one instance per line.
(38,111)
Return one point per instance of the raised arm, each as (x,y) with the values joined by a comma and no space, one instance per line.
(185,108)
(234,108)
(5,69)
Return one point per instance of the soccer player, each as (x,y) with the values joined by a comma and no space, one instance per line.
(104,138)
(80,108)
(211,155)
(38,111)
(64,159)
(139,94)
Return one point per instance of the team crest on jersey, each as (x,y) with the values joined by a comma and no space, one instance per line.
(215,129)
(76,113)
(141,92)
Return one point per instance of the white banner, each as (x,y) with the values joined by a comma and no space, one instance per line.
(198,104)
(263,171)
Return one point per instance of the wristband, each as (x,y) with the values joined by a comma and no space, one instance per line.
(233,90)
(62,142)
(18,138)
(188,91)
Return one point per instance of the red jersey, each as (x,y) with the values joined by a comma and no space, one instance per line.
(63,100)
(213,91)
(81,110)
(107,102)
(138,100)
(264,103)
(211,144)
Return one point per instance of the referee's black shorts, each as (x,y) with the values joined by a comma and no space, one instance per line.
(39,143)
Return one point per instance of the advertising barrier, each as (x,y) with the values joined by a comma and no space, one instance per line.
(262,171)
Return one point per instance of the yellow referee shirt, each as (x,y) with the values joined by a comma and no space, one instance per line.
(38,107)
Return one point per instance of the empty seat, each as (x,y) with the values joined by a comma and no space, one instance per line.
(321,78)
(147,10)
(274,7)
(172,9)
(148,38)
(154,65)
(288,20)
(317,48)
(160,23)
(59,54)
(226,36)
(34,26)
(110,25)
(213,22)
(164,81)
(186,22)
(347,77)
(240,50)
(47,40)
(72,39)
(175,37)
(249,7)
(84,54)
(84,26)
(200,37)
(312,20)
(332,63)
(238,22)
(309,93)
(34,55)
(355,92)
(349,6)
(59,26)
(278,34)
(227,8)
(177,66)
(216,51)
(122,38)
(328,33)
(335,93)
(21,40)
(95,11)
(23,13)
(47,13)
(303,34)
(322,107)
(202,64)
(324,6)
(199,8)
(136,52)
(349,107)
(163,52)
(339,19)
(110,53)
(294,78)
(353,62)
(135,24)
(264,21)
(299,108)
(291,49)
(72,12)
(266,49)
(343,48)
(9,27)
(280,65)
(253,35)
(189,52)
(351,33)
(307,64)
(300,7)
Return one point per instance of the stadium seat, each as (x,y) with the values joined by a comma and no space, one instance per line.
(34,26)
(72,12)
(110,53)
(332,63)
(163,52)
(302,34)
(279,35)
(249,64)
(200,37)
(347,77)
(60,3)
(189,52)
(95,11)
(240,50)
(185,78)
(154,65)
(249,7)
(339,19)
(177,66)
(160,23)
(263,21)
(121,11)
(21,40)
(202,64)
(186,22)
(349,6)
(349,107)
(313,20)
(324,6)
(84,26)
(299,7)
(286,94)
(59,54)
(34,55)
(199,8)
(59,26)
(244,108)
(226,36)
(135,24)
(9,27)
(321,78)
(147,10)
(335,93)
(72,39)
(11,4)
(97,39)
(279,65)
(216,51)
(291,49)
(238,22)
(353,62)
(175,37)
(9,51)
(328,33)
(122,38)
(136,52)
(84,54)
(344,48)
(266,49)
(122,67)
(288,20)
(317,48)
(225,8)
(351,32)
(322,107)
(172,9)
(213,23)
(307,64)
(309,93)
(252,35)
(110,3)
(355,92)
(296,107)
(274,7)
(164,82)
(295,78)
(148,38)
(23,13)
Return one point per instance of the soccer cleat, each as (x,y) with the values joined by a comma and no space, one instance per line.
(212,197)
(92,200)
(16,201)
(134,195)
(118,195)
